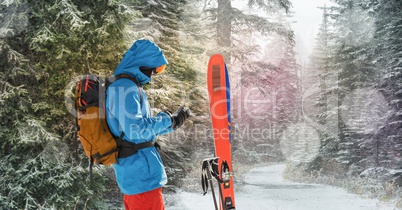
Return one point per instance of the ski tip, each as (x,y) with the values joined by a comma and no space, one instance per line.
(217,57)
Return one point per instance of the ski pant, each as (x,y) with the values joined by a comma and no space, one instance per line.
(151,200)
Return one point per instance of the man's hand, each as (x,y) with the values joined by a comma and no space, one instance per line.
(179,117)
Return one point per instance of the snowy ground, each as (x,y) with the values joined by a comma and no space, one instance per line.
(265,189)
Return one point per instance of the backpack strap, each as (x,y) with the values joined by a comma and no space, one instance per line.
(126,148)
(77,95)
(82,108)
(121,76)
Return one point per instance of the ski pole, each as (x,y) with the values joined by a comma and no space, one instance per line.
(207,171)
(212,189)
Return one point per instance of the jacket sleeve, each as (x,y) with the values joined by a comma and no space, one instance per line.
(166,131)
(124,106)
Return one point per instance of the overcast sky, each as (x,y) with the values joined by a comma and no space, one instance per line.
(308,17)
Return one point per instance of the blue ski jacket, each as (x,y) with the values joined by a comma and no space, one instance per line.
(143,171)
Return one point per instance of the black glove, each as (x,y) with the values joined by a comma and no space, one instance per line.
(179,117)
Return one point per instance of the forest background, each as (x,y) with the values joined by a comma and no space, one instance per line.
(336,120)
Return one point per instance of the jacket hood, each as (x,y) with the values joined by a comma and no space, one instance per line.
(142,53)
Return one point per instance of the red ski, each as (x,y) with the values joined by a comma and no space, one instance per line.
(219,98)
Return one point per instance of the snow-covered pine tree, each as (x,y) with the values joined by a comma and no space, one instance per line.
(319,107)
(387,53)
(43,45)
(352,62)
(325,77)
(229,21)
(318,68)
(363,58)
(340,65)
(36,168)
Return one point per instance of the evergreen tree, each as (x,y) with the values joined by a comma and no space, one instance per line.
(341,65)
(319,64)
(363,56)
(58,40)
(387,48)
(352,61)
(231,21)
(320,109)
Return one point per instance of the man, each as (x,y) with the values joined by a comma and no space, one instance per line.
(140,176)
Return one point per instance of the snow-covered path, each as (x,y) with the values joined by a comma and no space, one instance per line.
(266,190)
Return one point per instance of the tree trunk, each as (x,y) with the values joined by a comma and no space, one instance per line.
(224,27)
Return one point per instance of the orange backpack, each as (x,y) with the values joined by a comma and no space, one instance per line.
(100,145)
